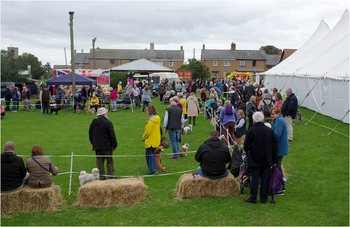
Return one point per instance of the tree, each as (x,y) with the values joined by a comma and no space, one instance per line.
(199,70)
(269,49)
(48,70)
(116,77)
(10,68)
(28,59)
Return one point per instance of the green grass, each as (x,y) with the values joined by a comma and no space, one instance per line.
(317,169)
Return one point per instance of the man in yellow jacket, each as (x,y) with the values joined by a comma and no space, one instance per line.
(151,138)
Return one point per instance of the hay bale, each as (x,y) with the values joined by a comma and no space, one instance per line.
(113,192)
(31,200)
(189,187)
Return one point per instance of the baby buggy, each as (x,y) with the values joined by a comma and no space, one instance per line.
(244,173)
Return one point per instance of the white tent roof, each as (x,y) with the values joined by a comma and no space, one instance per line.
(325,54)
(141,64)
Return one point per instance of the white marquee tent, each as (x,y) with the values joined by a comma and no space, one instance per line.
(318,72)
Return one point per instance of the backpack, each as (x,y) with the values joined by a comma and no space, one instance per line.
(228,110)
(236,160)
(274,182)
(267,108)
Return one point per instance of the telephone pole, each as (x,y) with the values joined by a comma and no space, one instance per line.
(72,50)
(93,51)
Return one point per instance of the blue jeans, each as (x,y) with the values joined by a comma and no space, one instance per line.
(145,104)
(14,105)
(199,170)
(256,172)
(174,137)
(114,104)
(136,100)
(151,159)
(68,102)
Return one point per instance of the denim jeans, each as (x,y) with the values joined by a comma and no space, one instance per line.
(174,137)
(68,102)
(199,170)
(151,159)
(145,104)
(136,100)
(114,104)
(256,172)
(14,105)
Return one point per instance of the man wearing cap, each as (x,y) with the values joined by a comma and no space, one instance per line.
(104,142)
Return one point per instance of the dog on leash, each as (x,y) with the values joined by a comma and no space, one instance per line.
(54,108)
(89,111)
(298,117)
(188,129)
(183,151)
(159,159)
(77,110)
(163,142)
(86,177)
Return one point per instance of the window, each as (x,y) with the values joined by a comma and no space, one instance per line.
(227,63)
(225,73)
(159,63)
(242,63)
(171,64)
(112,62)
(215,63)
(215,73)
(254,63)
(12,51)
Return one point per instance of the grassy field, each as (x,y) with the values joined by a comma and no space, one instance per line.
(317,169)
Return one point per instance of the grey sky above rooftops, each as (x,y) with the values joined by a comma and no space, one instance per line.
(41,27)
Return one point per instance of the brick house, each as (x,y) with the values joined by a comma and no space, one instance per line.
(221,62)
(108,58)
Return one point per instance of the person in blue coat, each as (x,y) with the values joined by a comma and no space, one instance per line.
(280,128)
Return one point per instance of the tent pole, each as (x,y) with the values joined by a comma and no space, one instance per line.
(337,124)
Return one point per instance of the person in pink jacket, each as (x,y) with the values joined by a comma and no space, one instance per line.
(113,98)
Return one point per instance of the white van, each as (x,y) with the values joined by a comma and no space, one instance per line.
(166,77)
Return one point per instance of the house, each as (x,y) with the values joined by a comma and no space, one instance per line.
(109,58)
(221,62)
(286,53)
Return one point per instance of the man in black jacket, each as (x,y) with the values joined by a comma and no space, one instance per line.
(289,111)
(104,142)
(174,123)
(13,171)
(262,149)
(213,156)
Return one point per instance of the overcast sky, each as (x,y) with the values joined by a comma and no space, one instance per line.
(42,27)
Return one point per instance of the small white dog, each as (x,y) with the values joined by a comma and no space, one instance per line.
(183,151)
(87,177)
(188,129)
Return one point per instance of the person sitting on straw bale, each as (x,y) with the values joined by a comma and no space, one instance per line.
(213,157)
(94,102)
(39,168)
(13,171)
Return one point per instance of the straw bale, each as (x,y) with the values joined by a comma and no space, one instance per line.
(189,187)
(113,192)
(31,200)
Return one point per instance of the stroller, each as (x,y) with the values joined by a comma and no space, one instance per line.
(245,175)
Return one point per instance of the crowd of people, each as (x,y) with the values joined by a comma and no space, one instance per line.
(226,103)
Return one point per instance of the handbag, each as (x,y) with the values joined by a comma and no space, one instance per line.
(40,165)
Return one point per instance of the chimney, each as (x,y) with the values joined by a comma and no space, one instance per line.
(279,52)
(181,48)
(203,46)
(75,51)
(261,48)
(233,46)
(152,46)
